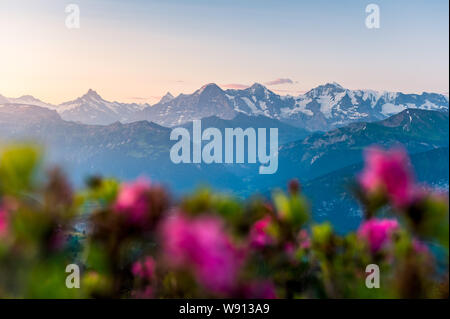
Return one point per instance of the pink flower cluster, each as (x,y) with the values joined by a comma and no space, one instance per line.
(3,223)
(259,237)
(389,171)
(144,269)
(202,244)
(133,201)
(304,239)
(377,232)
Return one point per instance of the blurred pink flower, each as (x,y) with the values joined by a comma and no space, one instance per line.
(133,200)
(389,171)
(144,269)
(202,244)
(377,232)
(304,240)
(259,237)
(3,222)
(289,249)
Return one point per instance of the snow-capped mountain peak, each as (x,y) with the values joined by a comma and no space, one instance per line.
(328,89)
(91,108)
(257,87)
(208,89)
(166,98)
(322,108)
(92,94)
(26,100)
(335,84)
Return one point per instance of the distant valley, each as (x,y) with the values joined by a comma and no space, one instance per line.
(322,135)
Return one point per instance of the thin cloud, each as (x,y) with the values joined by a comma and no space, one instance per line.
(235,86)
(279,82)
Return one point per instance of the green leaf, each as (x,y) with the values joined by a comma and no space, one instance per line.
(18,168)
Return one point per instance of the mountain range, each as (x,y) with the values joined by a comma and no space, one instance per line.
(302,154)
(320,109)
(323,162)
(322,135)
(321,153)
(124,151)
(331,195)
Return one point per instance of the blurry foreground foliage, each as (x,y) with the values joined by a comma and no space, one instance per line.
(132,240)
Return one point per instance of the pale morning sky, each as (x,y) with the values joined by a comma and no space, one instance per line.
(137,50)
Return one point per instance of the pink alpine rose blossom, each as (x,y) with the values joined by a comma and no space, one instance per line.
(3,223)
(202,245)
(377,232)
(289,249)
(144,269)
(259,237)
(304,239)
(133,201)
(389,171)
